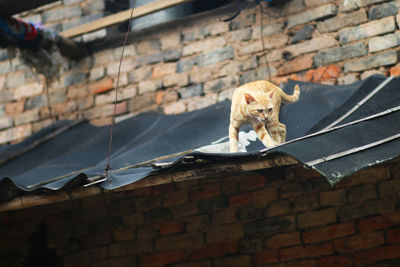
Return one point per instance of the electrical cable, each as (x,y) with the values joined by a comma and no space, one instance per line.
(108,166)
(262,41)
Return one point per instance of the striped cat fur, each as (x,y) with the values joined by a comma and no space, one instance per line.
(258,103)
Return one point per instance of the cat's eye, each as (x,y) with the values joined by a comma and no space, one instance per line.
(259,110)
(269,110)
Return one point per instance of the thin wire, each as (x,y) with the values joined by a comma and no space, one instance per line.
(326,130)
(46,85)
(262,42)
(352,150)
(108,167)
(270,14)
(359,104)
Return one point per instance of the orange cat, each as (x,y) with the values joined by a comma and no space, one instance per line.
(259,103)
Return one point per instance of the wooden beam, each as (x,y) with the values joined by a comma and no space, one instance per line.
(121,17)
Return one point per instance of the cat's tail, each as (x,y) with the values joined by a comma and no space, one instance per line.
(291,98)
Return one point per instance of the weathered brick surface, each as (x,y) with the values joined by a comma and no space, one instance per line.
(304,33)
(296,65)
(368,29)
(384,59)
(359,242)
(283,240)
(329,232)
(215,56)
(299,252)
(340,53)
(383,42)
(191,224)
(383,10)
(215,250)
(312,14)
(342,21)
(209,53)
(316,218)
(315,44)
(285,218)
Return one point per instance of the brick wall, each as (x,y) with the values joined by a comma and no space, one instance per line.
(286,216)
(198,62)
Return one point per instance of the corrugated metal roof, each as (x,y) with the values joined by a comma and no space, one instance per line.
(366,136)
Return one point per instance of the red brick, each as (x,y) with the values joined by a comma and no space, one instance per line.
(264,196)
(133,219)
(303,203)
(329,232)
(230,187)
(323,73)
(162,189)
(118,249)
(121,108)
(300,252)
(277,208)
(333,198)
(146,203)
(184,210)
(14,108)
(379,222)
(168,96)
(203,191)
(389,188)
(316,218)
(163,70)
(362,192)
(299,64)
(393,236)
(77,92)
(214,250)
(302,263)
(267,256)
(180,241)
(360,241)
(283,240)
(85,257)
(237,261)
(120,262)
(395,71)
(124,234)
(291,190)
(171,227)
(224,217)
(195,264)
(334,261)
(160,97)
(307,173)
(377,254)
(146,232)
(101,121)
(164,258)
(223,233)
(252,182)
(367,175)
(102,86)
(138,192)
(175,198)
(240,199)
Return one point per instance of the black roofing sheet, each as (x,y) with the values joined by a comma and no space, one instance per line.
(71,157)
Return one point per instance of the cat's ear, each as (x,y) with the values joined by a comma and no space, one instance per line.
(249,98)
(271,95)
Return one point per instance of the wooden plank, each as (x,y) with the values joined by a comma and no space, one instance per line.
(121,17)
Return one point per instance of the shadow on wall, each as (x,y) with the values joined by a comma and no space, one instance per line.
(40,254)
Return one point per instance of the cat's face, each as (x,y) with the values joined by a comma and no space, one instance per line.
(260,107)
